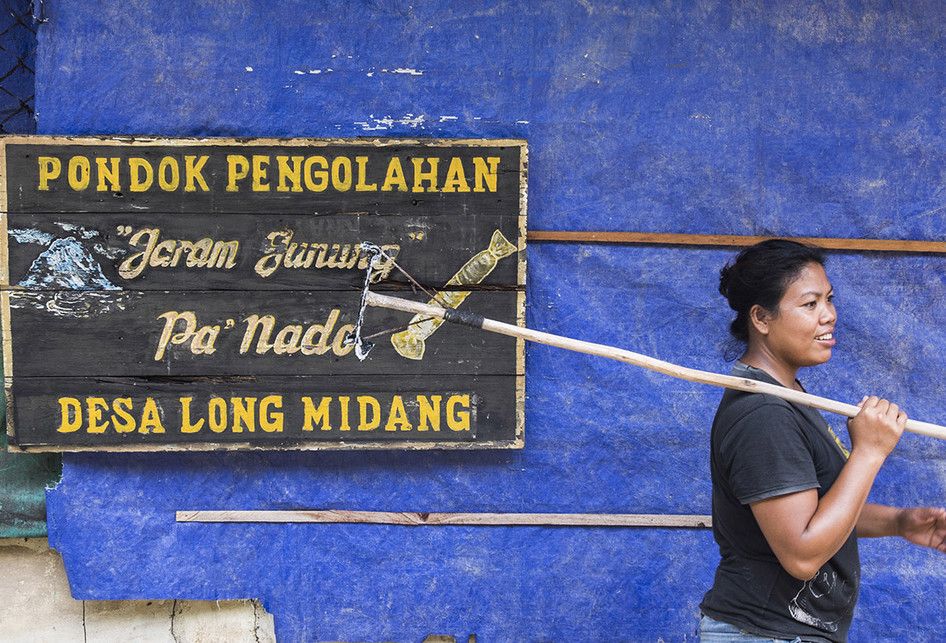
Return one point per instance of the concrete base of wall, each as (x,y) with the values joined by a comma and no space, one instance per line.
(38,606)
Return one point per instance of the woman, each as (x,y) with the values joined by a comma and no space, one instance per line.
(789,501)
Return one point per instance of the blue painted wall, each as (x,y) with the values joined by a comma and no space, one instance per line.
(793,118)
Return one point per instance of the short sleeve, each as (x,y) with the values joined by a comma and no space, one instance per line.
(766,454)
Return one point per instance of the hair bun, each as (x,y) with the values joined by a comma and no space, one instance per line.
(726,278)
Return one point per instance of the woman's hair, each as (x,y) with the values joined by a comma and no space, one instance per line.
(761,274)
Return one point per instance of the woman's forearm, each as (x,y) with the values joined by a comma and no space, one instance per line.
(877,521)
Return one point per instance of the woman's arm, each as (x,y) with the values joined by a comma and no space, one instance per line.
(877,521)
(925,526)
(805,532)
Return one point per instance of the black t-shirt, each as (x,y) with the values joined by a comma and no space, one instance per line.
(762,447)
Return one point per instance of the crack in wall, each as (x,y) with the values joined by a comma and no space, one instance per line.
(173,615)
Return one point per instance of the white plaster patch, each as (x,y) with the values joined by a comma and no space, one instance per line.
(387,122)
(248,68)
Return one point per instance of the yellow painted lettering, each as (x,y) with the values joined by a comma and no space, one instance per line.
(96,407)
(421,175)
(429,411)
(244,413)
(107,170)
(456,177)
(343,401)
(151,418)
(169,174)
(71,415)
(394,177)
(238,168)
(397,416)
(316,178)
(50,167)
(341,173)
(366,402)
(361,186)
(79,171)
(316,414)
(187,425)
(458,420)
(289,173)
(271,420)
(141,174)
(260,167)
(484,173)
(193,166)
(217,412)
(122,420)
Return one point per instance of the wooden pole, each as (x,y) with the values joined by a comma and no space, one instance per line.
(413,519)
(628,357)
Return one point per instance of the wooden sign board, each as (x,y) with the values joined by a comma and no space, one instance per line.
(197,293)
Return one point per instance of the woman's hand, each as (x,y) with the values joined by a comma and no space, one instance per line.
(877,428)
(924,526)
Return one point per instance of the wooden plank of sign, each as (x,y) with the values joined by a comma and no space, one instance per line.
(435,519)
(162,251)
(23,173)
(145,334)
(284,412)
(738,241)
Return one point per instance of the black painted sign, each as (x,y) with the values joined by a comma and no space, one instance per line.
(195,294)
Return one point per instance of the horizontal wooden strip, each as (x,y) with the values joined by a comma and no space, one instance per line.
(117,333)
(252,251)
(490,407)
(414,519)
(146,141)
(729,240)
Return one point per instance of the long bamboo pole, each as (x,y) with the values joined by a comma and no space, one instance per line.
(629,357)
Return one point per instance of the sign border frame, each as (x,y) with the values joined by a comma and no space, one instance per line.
(518,442)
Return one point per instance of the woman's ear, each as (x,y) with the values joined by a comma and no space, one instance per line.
(759,318)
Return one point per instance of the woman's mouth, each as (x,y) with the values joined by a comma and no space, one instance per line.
(826,338)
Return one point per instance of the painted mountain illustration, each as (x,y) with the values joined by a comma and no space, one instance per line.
(67,264)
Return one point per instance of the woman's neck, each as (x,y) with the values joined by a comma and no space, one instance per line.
(759,357)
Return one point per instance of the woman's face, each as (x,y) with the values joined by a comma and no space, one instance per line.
(803,332)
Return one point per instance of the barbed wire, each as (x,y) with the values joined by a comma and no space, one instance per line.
(17,73)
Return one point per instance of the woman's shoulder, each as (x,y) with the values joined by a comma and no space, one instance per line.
(738,404)
(740,412)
